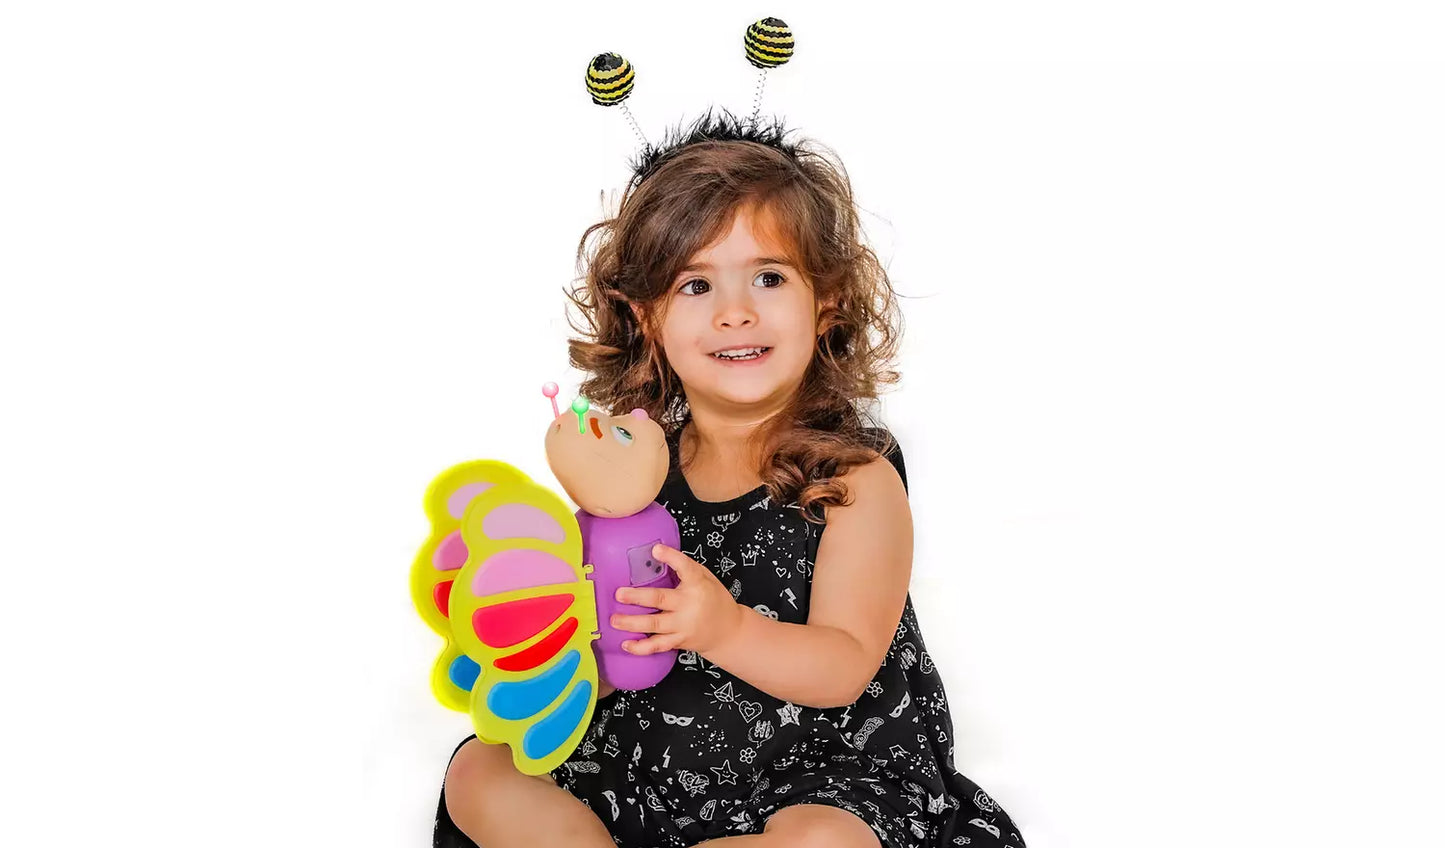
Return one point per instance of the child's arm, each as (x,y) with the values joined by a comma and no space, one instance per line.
(859,584)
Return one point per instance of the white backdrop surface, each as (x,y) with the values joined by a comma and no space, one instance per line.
(1172,395)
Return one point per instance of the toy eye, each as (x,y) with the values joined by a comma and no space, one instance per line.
(621,435)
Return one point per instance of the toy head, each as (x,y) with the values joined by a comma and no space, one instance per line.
(611,465)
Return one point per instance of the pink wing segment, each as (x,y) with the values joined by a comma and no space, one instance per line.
(520,568)
(451,554)
(457,502)
(521,521)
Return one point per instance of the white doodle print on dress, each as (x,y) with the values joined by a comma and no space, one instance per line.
(767,611)
(679,720)
(861,737)
(762,504)
(790,597)
(695,784)
(612,799)
(696,554)
(723,694)
(736,590)
(985,825)
(723,522)
(788,713)
(903,705)
(725,564)
(690,661)
(708,809)
(750,561)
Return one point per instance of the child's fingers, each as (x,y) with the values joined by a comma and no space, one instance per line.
(680,562)
(658,622)
(660,599)
(652,644)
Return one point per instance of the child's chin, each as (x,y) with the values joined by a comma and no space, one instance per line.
(745,395)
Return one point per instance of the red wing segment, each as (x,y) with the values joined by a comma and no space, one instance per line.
(530,658)
(442,595)
(510,623)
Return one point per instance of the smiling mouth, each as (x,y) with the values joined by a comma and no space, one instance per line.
(744,354)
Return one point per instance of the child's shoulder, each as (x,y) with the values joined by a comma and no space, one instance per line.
(883,441)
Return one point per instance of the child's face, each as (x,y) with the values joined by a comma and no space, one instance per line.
(741,292)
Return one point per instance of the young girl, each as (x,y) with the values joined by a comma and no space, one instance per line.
(731,298)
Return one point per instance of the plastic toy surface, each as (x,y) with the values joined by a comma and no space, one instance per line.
(522,589)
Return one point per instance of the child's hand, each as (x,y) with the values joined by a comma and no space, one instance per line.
(699,615)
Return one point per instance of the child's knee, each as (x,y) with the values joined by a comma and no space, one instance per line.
(820,826)
(474,773)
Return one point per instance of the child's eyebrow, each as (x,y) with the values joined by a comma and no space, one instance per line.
(761,260)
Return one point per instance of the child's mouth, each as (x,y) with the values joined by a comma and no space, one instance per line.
(742,355)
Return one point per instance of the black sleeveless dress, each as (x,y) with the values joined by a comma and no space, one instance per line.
(703,754)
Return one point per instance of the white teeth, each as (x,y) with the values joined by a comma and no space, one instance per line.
(741,353)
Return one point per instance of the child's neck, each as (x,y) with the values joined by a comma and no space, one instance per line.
(719,462)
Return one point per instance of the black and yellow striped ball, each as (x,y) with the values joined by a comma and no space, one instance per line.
(768,43)
(609,79)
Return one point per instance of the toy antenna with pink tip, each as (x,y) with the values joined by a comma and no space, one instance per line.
(550,390)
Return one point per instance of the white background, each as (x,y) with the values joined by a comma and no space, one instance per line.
(1172,397)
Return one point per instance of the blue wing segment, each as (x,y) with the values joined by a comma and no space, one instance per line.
(548,734)
(524,698)
(463,672)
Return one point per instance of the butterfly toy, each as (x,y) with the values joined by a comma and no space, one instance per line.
(522,589)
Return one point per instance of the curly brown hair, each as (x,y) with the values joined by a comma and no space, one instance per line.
(682,199)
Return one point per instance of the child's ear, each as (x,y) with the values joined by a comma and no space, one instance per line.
(640,314)
(819,307)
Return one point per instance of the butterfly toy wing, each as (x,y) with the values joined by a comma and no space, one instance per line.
(501,578)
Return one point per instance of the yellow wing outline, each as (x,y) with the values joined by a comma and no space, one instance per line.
(545,739)
(445,503)
(542,678)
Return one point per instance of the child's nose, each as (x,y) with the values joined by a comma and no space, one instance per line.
(737,313)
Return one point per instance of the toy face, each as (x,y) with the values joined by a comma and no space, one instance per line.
(614,467)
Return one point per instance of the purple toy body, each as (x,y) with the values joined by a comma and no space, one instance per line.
(620,552)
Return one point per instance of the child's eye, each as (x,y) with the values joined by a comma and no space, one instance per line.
(621,435)
(775,279)
(694,282)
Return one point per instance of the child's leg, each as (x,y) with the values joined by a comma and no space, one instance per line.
(805,826)
(499,807)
